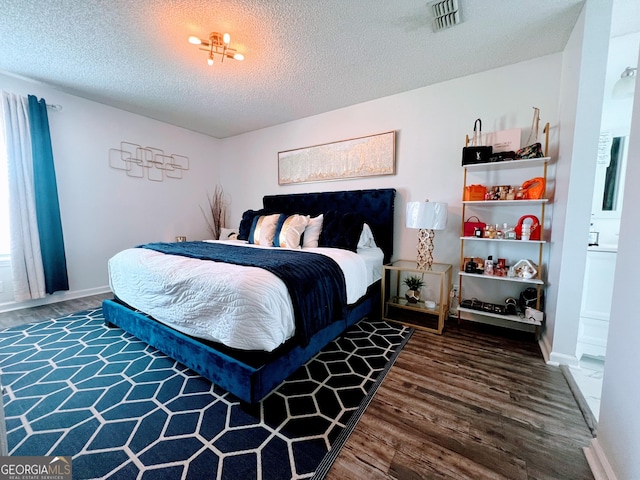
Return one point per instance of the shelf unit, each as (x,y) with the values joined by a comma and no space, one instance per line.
(395,307)
(495,170)
(511,318)
(533,281)
(504,203)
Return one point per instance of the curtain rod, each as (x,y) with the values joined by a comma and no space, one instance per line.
(54,106)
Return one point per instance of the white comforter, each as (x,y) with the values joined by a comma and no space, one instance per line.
(242,307)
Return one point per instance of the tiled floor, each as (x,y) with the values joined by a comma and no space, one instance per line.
(589,379)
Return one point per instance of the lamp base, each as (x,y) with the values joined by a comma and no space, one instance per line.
(425,249)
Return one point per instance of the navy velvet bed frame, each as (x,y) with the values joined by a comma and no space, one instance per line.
(252,377)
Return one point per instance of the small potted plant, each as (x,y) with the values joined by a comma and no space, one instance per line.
(414,283)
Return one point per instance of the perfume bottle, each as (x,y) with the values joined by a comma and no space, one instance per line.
(508,232)
(488,265)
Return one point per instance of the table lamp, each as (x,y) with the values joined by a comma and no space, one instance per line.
(426,216)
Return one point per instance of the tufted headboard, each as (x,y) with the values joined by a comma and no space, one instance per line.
(376,206)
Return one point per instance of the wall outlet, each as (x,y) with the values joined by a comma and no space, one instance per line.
(454,291)
(453,301)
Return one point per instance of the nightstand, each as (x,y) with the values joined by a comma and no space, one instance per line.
(396,308)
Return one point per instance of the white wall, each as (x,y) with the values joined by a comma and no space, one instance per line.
(104,211)
(583,76)
(431,125)
(619,423)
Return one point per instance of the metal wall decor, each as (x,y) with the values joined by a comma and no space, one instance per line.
(149,162)
(357,157)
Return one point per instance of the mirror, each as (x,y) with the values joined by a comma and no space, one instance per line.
(611,195)
(609,184)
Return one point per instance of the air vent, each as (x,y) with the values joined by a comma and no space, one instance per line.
(446,14)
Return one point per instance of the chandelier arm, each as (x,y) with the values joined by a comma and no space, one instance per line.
(218,45)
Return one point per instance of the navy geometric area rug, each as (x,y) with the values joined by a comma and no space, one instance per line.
(123,410)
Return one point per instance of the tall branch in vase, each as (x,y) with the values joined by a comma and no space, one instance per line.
(216,213)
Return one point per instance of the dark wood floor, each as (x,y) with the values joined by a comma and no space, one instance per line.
(53,310)
(469,405)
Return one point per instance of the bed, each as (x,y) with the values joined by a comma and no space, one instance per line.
(238,364)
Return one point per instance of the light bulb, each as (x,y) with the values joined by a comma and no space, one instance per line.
(195,40)
(226,38)
(238,56)
(210,61)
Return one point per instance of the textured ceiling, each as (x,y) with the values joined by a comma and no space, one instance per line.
(301,57)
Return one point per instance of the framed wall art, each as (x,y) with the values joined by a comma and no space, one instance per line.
(357,157)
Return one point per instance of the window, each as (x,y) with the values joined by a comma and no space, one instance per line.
(4,197)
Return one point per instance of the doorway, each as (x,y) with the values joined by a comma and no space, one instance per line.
(605,217)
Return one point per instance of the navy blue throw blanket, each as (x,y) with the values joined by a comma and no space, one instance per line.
(315,282)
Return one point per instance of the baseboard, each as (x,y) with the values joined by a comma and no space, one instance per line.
(54,298)
(600,466)
(545,347)
(587,414)
(557,359)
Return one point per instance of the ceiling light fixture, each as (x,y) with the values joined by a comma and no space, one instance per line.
(218,44)
(625,85)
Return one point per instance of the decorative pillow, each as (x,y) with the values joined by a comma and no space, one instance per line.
(289,230)
(247,222)
(263,229)
(366,238)
(312,232)
(228,233)
(341,230)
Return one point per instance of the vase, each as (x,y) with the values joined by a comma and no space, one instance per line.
(412,296)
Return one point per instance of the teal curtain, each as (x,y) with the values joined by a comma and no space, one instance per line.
(46,199)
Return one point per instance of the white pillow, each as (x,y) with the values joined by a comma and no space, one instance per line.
(289,229)
(366,238)
(312,232)
(225,233)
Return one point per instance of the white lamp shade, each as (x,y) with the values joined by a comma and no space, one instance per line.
(625,86)
(428,215)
